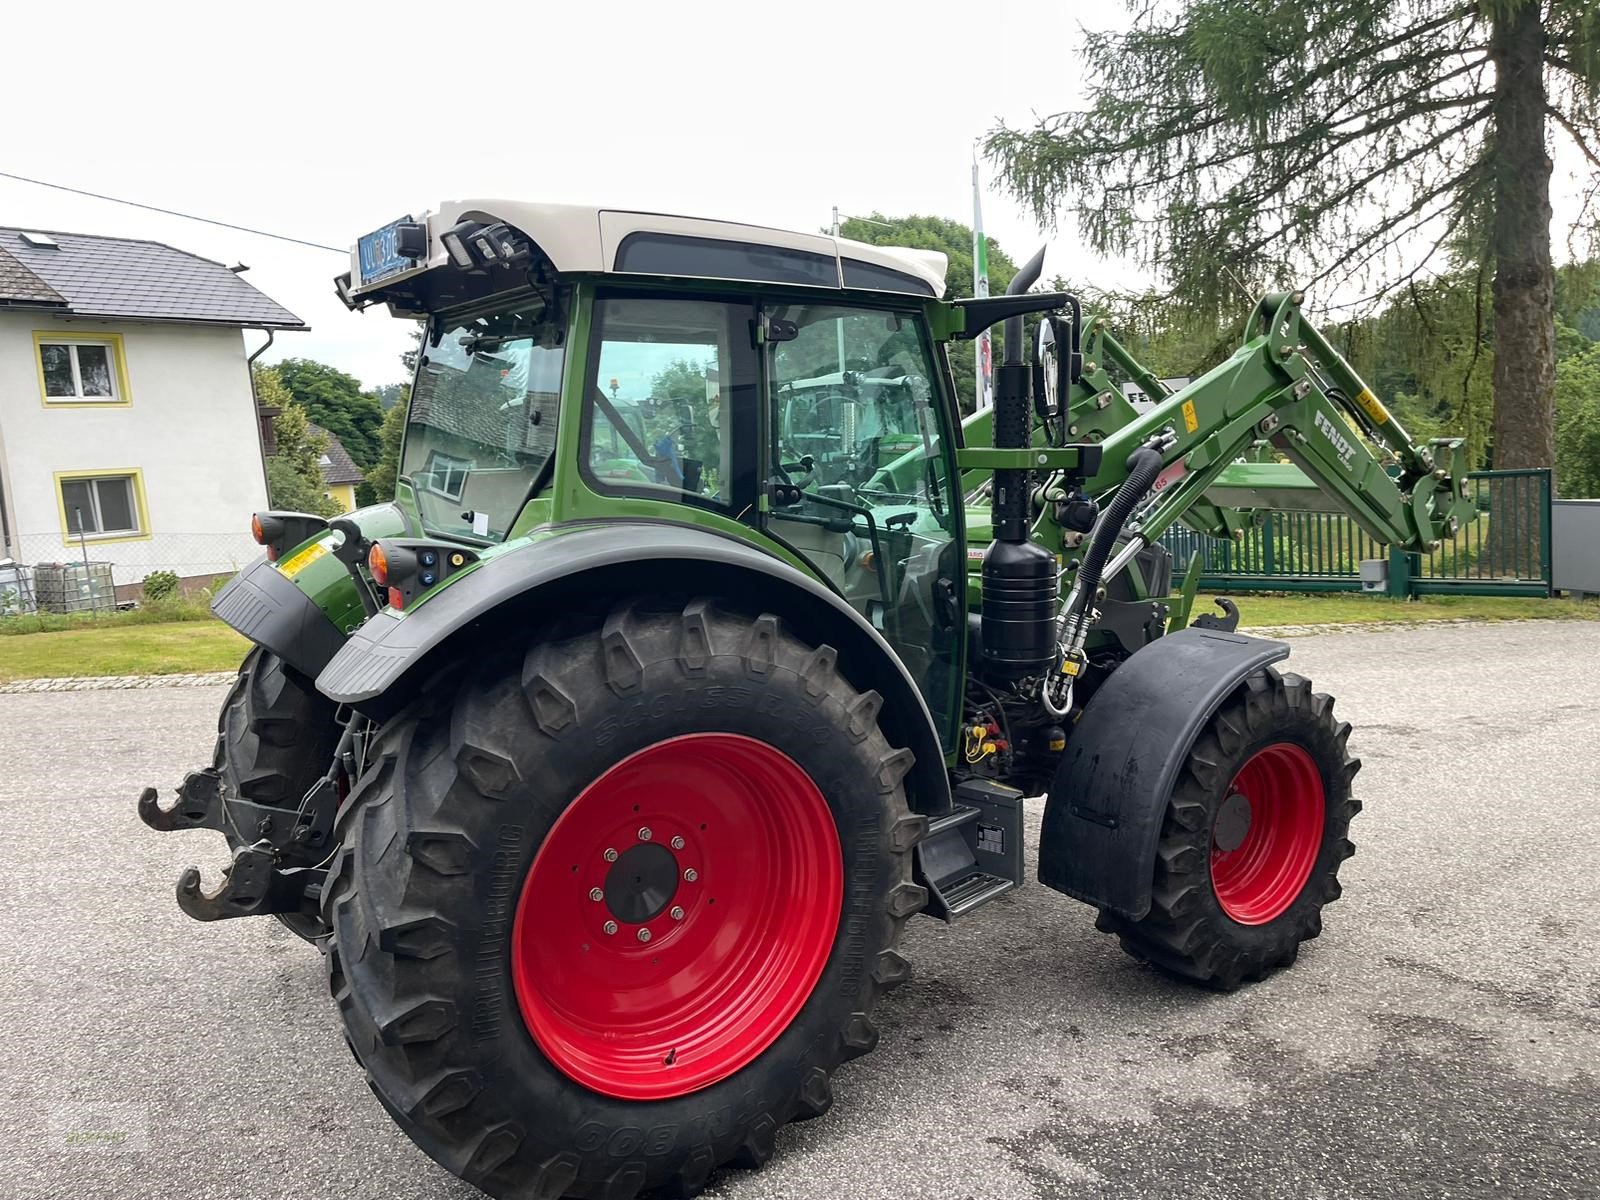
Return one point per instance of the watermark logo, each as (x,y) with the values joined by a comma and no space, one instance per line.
(93,1128)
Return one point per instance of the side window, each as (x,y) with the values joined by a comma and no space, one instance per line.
(665,380)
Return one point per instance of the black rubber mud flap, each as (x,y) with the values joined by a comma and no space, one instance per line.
(264,604)
(1103,817)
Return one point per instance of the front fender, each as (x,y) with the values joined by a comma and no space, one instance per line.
(387,660)
(1103,816)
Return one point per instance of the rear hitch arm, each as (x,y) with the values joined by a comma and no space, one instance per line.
(252,885)
(199,804)
(295,833)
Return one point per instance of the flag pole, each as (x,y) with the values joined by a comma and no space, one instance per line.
(980,288)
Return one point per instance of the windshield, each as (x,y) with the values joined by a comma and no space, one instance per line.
(482,424)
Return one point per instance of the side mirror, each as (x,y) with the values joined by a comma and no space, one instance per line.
(1047,383)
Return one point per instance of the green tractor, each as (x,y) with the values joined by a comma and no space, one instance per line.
(703,646)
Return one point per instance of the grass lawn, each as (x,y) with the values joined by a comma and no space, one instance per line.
(1345,608)
(189,639)
(122,649)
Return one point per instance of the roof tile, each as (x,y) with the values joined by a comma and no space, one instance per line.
(17,283)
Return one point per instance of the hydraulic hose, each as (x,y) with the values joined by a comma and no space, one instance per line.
(1143,465)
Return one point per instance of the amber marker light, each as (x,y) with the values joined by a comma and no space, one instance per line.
(378,564)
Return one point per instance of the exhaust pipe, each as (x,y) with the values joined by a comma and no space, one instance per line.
(1021,588)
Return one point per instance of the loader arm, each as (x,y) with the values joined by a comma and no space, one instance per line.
(1288,385)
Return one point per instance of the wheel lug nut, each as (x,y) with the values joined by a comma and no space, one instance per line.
(596,894)
(644,935)
(644,833)
(691,875)
(677,912)
(609,927)
(610,855)
(677,843)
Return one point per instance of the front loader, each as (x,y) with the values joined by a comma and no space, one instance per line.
(703,646)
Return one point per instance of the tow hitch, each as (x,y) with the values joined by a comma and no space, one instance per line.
(271,871)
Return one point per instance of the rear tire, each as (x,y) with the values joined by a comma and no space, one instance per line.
(516,1039)
(1252,840)
(276,737)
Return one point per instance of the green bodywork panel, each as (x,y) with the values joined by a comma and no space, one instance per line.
(324,578)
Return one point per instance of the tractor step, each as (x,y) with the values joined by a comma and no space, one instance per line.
(973,853)
(963,895)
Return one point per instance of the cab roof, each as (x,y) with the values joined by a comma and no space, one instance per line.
(583,239)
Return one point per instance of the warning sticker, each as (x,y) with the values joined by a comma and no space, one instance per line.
(1372,406)
(299,562)
(1191,420)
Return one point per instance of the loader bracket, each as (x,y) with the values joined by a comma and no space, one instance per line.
(1227,622)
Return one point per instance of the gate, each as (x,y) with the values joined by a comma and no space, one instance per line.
(1503,549)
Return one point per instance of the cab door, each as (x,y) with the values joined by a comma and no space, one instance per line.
(859,477)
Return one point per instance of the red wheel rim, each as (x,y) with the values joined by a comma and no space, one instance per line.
(723,852)
(1259,877)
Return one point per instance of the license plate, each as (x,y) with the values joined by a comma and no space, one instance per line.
(377,255)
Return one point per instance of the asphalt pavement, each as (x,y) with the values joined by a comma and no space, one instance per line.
(1442,1038)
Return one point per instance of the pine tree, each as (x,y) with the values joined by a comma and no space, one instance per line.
(1237,144)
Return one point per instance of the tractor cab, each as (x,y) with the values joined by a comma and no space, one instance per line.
(778,388)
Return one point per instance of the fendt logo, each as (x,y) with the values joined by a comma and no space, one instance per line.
(1345,448)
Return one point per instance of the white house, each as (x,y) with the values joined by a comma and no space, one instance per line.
(128,425)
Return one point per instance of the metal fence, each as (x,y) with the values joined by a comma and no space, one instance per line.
(198,557)
(1502,550)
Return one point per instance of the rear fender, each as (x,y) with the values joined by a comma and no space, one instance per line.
(389,659)
(1103,816)
(302,607)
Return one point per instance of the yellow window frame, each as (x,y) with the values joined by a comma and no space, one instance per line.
(135,475)
(124,396)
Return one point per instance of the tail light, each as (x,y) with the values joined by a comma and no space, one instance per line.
(406,569)
(280,531)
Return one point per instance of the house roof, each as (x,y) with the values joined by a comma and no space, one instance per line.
(87,275)
(18,285)
(339,467)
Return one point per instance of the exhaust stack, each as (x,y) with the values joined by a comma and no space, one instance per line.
(1021,589)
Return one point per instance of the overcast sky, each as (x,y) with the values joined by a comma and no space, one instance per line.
(324,121)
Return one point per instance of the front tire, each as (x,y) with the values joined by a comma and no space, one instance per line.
(702,777)
(1252,840)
